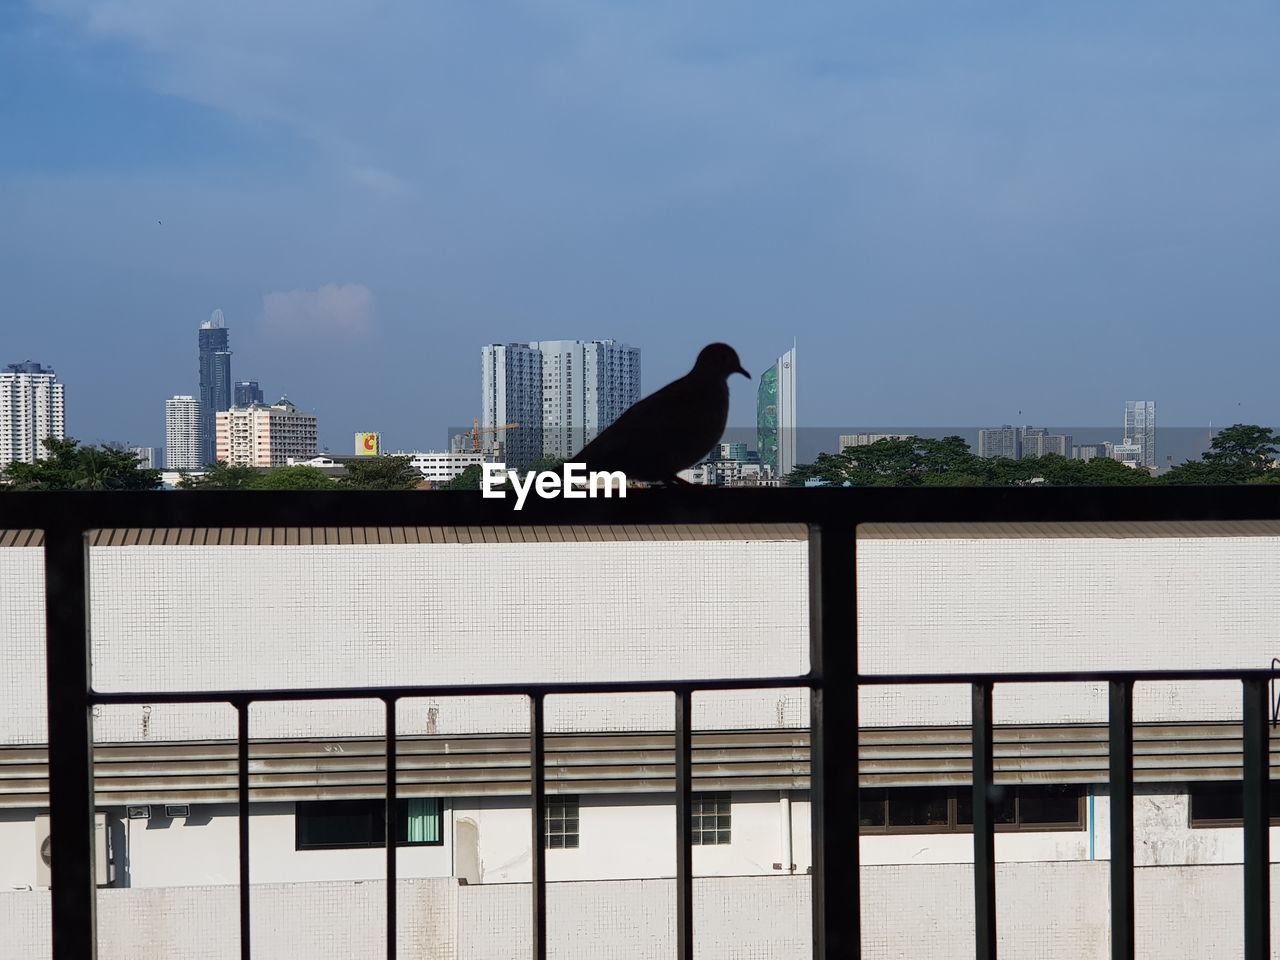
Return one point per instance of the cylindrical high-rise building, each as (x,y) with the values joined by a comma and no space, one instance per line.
(182,449)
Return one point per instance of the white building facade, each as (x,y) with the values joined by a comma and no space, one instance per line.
(586,385)
(441,467)
(425,606)
(182,444)
(260,436)
(32,409)
(511,393)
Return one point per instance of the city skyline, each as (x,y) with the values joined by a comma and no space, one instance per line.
(881,189)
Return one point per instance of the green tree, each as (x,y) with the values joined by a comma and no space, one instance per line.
(924,462)
(468,479)
(293,478)
(70,466)
(221,476)
(910,462)
(1241,453)
(380,473)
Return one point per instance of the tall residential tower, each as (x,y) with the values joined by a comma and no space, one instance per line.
(215,381)
(31,411)
(776,415)
(586,385)
(182,434)
(511,393)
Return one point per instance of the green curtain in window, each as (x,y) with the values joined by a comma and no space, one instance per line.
(424,821)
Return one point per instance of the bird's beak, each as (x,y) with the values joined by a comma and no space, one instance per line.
(743,372)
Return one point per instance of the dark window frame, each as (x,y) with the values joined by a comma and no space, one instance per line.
(376,811)
(561,810)
(717,801)
(1234,786)
(954,795)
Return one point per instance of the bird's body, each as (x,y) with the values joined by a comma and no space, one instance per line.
(673,428)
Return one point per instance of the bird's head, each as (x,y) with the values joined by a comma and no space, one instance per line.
(719,360)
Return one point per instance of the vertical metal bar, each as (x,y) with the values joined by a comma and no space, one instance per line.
(67,662)
(392,820)
(833,735)
(1257,827)
(538,805)
(242,778)
(1120,787)
(984,833)
(684,814)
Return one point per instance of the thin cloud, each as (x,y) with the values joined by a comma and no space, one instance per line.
(334,309)
(381,182)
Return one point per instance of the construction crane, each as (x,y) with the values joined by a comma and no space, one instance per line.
(476,430)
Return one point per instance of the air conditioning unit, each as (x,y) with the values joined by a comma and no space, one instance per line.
(103,868)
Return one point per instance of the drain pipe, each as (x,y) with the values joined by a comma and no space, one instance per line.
(784,815)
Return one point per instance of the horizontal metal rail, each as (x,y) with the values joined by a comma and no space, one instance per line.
(692,505)
(561,688)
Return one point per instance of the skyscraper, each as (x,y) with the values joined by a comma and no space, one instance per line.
(182,449)
(215,380)
(247,393)
(31,410)
(1140,429)
(586,385)
(511,392)
(776,415)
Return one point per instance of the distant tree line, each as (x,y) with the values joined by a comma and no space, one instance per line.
(72,466)
(1243,453)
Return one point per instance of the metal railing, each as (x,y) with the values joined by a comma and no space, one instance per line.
(832,517)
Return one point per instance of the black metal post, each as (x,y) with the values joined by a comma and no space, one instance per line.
(1257,826)
(684,814)
(538,804)
(392,820)
(242,778)
(833,737)
(1120,787)
(984,832)
(71,831)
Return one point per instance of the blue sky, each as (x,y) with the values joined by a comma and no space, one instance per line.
(961,210)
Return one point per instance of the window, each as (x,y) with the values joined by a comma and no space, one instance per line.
(342,824)
(710,814)
(1221,804)
(562,823)
(950,809)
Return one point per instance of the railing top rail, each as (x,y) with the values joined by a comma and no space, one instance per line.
(692,505)
(561,688)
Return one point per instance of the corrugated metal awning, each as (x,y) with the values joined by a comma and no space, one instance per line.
(308,536)
(288,770)
(1155,530)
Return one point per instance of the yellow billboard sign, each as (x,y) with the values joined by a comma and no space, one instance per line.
(368,444)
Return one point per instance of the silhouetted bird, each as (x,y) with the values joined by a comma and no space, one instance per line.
(672,429)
